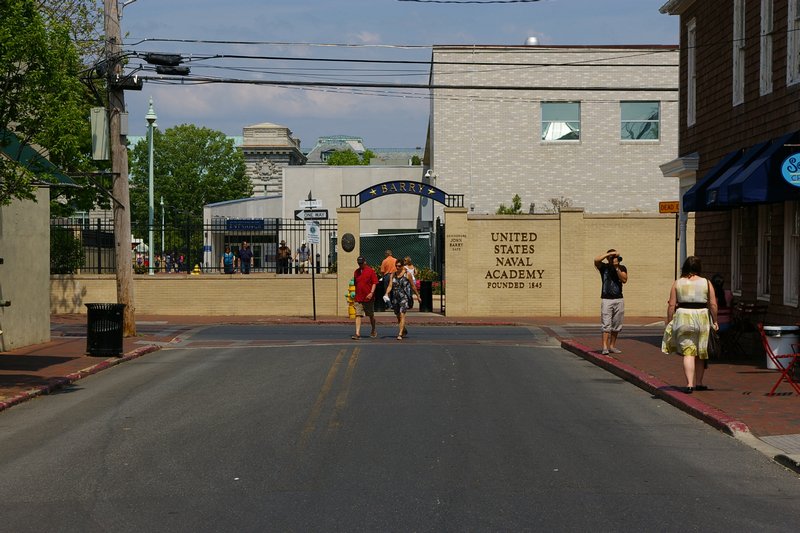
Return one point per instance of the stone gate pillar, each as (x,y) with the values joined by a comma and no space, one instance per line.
(456,257)
(348,221)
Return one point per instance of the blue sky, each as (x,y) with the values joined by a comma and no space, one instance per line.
(360,29)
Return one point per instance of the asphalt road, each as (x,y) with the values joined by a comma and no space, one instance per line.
(298,428)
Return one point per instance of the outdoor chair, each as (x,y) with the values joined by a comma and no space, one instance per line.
(745,317)
(784,362)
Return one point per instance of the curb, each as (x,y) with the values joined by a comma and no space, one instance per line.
(689,404)
(61,382)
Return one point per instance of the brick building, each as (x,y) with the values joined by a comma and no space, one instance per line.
(739,118)
(587,126)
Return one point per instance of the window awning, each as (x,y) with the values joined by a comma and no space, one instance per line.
(28,157)
(697,191)
(761,181)
(716,195)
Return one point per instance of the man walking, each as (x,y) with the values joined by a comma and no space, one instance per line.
(245,258)
(387,265)
(613,275)
(365,281)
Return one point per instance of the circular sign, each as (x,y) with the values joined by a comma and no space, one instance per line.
(790,169)
(348,242)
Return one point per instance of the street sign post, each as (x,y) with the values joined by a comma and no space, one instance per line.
(316,214)
(673,207)
(312,232)
(310,204)
(669,207)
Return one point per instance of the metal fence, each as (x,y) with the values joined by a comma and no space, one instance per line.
(87,246)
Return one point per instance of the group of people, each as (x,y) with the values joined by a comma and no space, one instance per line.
(302,258)
(230,262)
(243,261)
(692,313)
(399,279)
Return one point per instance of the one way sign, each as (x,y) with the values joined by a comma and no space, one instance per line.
(317,214)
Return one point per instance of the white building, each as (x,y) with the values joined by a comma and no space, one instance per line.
(587,124)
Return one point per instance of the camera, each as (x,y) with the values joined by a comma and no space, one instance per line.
(619,259)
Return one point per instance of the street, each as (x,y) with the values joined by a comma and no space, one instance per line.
(298,428)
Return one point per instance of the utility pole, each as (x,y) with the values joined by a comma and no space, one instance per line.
(119,166)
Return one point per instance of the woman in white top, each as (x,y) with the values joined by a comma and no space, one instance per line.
(410,270)
(691,312)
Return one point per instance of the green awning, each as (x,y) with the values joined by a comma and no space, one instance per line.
(31,159)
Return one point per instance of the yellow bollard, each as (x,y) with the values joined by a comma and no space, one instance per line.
(196,271)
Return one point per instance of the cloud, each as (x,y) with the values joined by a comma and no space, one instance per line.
(366,37)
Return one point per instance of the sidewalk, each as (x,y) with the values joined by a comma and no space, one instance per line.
(735,403)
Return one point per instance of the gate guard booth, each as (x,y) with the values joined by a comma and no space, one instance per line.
(349,219)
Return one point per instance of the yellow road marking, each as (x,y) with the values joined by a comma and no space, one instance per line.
(311,422)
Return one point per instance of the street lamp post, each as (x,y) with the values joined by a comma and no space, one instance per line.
(151,119)
(162,231)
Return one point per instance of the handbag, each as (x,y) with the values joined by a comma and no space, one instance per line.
(714,344)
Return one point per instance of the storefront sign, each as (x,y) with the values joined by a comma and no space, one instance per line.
(790,169)
(245,224)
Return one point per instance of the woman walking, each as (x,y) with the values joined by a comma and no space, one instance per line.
(400,294)
(691,312)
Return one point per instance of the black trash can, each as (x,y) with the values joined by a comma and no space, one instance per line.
(426,296)
(104,329)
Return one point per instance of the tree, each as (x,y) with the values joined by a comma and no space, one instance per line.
(41,97)
(350,158)
(556,204)
(515,209)
(192,167)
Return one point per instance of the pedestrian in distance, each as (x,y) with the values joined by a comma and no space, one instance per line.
(284,258)
(613,276)
(303,258)
(410,269)
(387,266)
(400,295)
(227,261)
(245,258)
(365,281)
(691,313)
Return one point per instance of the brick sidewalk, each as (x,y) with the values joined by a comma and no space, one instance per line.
(738,388)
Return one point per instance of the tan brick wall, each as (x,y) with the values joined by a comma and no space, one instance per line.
(530,265)
(208,294)
(543,265)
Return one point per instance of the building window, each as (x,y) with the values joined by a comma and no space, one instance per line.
(738,52)
(793,44)
(764,251)
(765,80)
(736,251)
(561,121)
(640,121)
(791,254)
(691,72)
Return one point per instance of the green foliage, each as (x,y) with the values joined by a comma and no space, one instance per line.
(416,161)
(348,157)
(426,274)
(515,209)
(41,97)
(66,251)
(192,167)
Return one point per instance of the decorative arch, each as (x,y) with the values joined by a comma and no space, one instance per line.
(402,187)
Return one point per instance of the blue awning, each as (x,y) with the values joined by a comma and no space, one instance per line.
(716,196)
(690,197)
(25,155)
(761,182)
